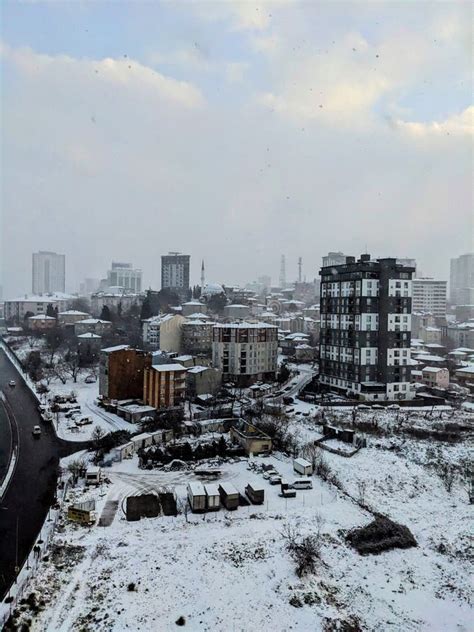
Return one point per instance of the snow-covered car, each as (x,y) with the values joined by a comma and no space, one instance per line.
(90,379)
(274,480)
(84,421)
(12,383)
(36,431)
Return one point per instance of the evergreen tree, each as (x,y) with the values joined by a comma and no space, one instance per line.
(222,446)
(50,310)
(146,308)
(105,314)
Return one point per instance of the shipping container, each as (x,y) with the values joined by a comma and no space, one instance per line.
(229,495)
(213,500)
(302,466)
(256,493)
(197,497)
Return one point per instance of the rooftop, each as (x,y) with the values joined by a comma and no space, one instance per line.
(163,368)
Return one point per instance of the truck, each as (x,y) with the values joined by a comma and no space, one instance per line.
(93,476)
(302,466)
(213,500)
(255,493)
(229,496)
(197,497)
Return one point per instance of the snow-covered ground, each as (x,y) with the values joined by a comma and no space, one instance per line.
(86,395)
(230,570)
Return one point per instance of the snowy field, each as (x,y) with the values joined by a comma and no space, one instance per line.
(230,570)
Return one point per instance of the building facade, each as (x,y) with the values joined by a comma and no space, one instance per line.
(461,280)
(429,296)
(197,337)
(175,273)
(121,372)
(124,275)
(48,272)
(163,332)
(17,309)
(366,328)
(164,385)
(245,352)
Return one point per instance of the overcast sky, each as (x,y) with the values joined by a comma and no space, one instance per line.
(234,132)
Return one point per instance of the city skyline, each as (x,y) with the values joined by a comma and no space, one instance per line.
(367,147)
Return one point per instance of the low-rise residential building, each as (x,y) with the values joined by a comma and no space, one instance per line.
(190,308)
(435,376)
(17,309)
(465,376)
(164,385)
(236,311)
(430,335)
(245,352)
(41,322)
(196,337)
(201,380)
(121,372)
(72,316)
(93,326)
(88,345)
(163,332)
(115,300)
(460,334)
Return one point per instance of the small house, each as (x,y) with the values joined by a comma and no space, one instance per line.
(124,451)
(93,475)
(256,493)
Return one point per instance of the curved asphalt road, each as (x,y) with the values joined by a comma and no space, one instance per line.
(32,487)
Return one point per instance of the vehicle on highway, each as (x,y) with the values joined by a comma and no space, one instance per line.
(12,383)
(36,431)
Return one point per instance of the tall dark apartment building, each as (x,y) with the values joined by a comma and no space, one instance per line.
(366,328)
(175,273)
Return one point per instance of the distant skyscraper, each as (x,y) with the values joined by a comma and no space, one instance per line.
(461,281)
(49,272)
(175,273)
(203,275)
(429,296)
(126,276)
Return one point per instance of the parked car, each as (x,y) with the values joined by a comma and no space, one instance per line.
(274,480)
(302,483)
(36,431)
(90,379)
(12,383)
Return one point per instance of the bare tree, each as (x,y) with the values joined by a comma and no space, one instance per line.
(361,488)
(72,365)
(305,550)
(448,476)
(311,452)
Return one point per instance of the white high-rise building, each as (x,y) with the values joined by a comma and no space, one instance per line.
(48,272)
(429,296)
(461,281)
(125,276)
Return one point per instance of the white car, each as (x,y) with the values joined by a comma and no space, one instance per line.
(36,431)
(12,383)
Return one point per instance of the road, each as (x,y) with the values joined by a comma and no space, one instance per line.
(32,488)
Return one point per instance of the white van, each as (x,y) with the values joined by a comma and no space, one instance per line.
(302,483)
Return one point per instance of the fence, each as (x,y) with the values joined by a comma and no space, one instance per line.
(32,562)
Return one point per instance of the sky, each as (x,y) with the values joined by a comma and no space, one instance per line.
(234,132)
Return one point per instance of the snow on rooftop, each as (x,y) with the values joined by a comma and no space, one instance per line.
(89,335)
(116,348)
(197,369)
(93,321)
(73,312)
(244,325)
(162,368)
(41,317)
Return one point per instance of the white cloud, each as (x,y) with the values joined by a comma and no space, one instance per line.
(124,72)
(461,124)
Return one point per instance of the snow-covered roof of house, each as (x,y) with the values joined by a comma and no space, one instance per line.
(41,317)
(90,335)
(198,316)
(464,350)
(184,358)
(200,321)
(466,369)
(244,325)
(433,369)
(416,372)
(197,369)
(434,345)
(456,352)
(162,368)
(73,312)
(424,357)
(432,329)
(42,298)
(193,302)
(116,348)
(93,321)
(237,305)
(299,335)
(161,318)
(303,346)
